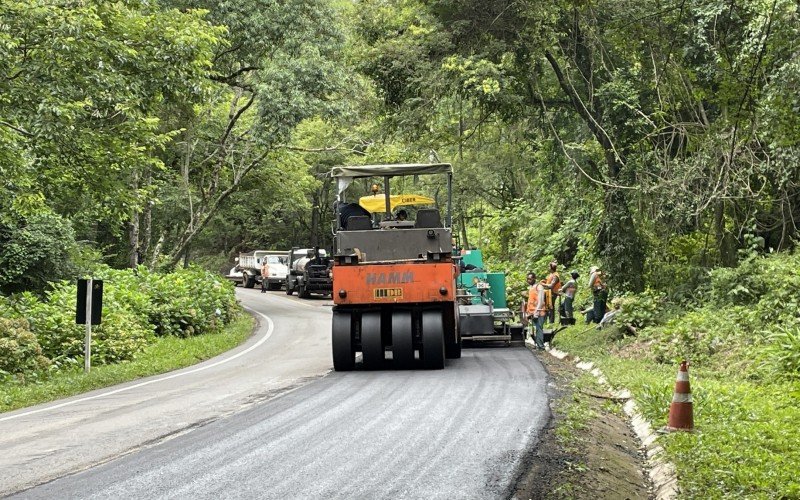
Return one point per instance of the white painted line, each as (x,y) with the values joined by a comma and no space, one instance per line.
(270,329)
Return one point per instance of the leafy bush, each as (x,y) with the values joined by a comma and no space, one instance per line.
(119,337)
(773,280)
(645,309)
(136,306)
(701,335)
(784,350)
(35,251)
(19,349)
(189,301)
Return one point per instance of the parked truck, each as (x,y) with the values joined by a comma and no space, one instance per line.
(249,264)
(309,272)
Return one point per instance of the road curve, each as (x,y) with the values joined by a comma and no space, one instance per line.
(457,433)
(290,346)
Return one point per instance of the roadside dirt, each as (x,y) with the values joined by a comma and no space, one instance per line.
(599,458)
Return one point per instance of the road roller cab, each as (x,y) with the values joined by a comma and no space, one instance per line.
(393,280)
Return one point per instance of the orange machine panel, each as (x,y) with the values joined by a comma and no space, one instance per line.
(394,283)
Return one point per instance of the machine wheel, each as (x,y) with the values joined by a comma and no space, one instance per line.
(452,348)
(344,356)
(432,340)
(302,292)
(402,340)
(371,342)
(289,288)
(248,281)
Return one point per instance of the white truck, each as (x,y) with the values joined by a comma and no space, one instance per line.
(249,264)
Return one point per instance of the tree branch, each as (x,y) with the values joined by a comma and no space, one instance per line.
(16,129)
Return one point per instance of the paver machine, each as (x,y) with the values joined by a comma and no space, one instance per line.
(393,280)
(482,309)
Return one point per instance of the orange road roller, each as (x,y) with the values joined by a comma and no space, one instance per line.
(393,272)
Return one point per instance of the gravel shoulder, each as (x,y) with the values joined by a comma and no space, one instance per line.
(587,450)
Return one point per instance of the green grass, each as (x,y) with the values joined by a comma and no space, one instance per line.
(747,439)
(166,354)
(577,415)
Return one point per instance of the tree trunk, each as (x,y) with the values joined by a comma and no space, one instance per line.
(619,244)
(464,240)
(726,242)
(315,208)
(133,228)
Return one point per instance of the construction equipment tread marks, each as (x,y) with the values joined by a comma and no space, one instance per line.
(402,340)
(432,352)
(372,348)
(344,355)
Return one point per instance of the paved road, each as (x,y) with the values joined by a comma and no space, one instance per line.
(291,347)
(456,433)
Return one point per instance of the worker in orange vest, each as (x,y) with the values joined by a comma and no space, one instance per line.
(536,309)
(599,290)
(553,285)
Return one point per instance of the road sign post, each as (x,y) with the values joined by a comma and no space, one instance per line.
(87,340)
(88,312)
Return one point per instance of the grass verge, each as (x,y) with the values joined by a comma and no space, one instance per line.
(166,354)
(587,451)
(747,439)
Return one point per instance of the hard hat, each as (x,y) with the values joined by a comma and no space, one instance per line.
(574,274)
(593,269)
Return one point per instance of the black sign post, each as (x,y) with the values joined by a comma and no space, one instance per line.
(88,312)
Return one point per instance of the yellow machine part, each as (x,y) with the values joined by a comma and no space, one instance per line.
(377,202)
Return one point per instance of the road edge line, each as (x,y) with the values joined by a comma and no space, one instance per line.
(270,330)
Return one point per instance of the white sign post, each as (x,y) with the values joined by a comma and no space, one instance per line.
(87,349)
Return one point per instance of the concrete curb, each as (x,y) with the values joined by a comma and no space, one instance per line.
(662,473)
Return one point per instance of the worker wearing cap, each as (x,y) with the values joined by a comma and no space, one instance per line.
(568,291)
(599,293)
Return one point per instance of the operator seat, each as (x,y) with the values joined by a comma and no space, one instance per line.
(358,223)
(428,217)
(350,210)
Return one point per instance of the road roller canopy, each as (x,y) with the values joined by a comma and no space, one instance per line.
(377,202)
(346,175)
(392,170)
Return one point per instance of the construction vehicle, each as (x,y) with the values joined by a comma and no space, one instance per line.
(393,280)
(249,264)
(482,308)
(309,272)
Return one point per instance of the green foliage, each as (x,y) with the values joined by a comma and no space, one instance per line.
(82,88)
(188,302)
(19,349)
(137,306)
(35,251)
(642,310)
(784,350)
(162,355)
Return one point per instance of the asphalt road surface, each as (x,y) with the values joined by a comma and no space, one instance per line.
(461,432)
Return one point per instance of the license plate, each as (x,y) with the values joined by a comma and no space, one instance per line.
(388,293)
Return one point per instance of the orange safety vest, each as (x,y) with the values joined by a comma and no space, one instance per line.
(548,299)
(557,285)
(597,282)
(533,298)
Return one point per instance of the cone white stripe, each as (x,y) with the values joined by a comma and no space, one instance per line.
(681,398)
(683,376)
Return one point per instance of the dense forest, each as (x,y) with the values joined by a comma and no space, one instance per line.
(655,138)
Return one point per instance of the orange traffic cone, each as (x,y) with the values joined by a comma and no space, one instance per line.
(681,416)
